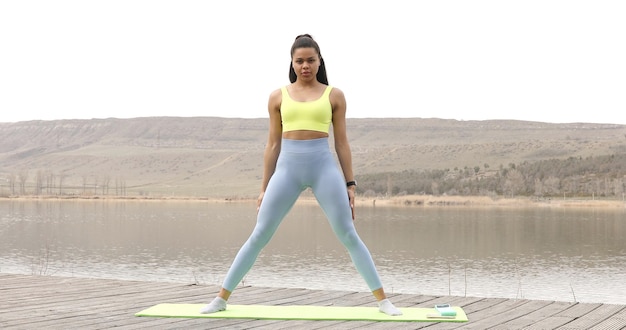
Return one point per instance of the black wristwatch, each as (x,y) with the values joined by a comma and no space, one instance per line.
(351,183)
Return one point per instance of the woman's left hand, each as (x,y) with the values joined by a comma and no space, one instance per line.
(351,195)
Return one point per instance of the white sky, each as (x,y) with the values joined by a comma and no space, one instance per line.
(540,60)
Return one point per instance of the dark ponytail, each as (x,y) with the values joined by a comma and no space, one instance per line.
(306,41)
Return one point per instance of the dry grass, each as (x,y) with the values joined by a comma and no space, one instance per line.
(223,158)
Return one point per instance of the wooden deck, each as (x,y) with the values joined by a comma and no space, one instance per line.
(47,302)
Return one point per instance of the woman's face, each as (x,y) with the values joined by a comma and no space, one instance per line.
(306,63)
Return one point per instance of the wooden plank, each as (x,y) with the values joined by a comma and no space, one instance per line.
(75,298)
(494,315)
(616,321)
(559,320)
(533,316)
(61,307)
(28,302)
(73,293)
(594,317)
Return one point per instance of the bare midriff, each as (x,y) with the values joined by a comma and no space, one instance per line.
(304,135)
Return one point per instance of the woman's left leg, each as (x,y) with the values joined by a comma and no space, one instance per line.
(332,195)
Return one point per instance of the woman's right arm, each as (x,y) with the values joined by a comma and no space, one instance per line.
(272,149)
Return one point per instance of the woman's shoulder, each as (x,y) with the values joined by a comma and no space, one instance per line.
(277,92)
(276,97)
(336,92)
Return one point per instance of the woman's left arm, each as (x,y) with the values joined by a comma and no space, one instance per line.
(342,146)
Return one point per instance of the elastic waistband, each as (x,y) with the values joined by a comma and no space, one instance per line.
(303,146)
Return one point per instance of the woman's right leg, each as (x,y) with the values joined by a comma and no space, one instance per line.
(279,198)
(281,194)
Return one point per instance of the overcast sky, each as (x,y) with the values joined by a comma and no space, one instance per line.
(539,60)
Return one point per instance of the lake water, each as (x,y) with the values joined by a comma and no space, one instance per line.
(561,254)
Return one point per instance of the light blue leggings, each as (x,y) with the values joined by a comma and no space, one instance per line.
(302,164)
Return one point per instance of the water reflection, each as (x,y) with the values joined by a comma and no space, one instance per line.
(538,253)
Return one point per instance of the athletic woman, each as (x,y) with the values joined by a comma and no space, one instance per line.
(297,156)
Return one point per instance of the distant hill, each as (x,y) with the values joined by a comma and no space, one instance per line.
(222,157)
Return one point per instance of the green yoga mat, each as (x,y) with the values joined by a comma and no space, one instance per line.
(295,312)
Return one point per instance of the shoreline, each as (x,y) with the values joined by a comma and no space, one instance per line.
(396,201)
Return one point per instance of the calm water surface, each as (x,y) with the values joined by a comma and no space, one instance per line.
(532,253)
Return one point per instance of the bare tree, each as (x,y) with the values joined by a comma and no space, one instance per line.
(434,186)
(551,186)
(105,184)
(61,179)
(539,191)
(85,178)
(618,187)
(38,182)
(514,182)
(50,182)
(22,178)
(12,181)
(120,186)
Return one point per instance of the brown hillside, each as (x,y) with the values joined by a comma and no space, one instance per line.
(222,157)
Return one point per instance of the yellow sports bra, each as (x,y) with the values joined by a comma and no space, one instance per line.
(312,115)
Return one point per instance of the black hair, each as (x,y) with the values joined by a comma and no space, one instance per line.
(306,41)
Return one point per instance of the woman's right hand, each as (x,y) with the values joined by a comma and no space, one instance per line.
(259,200)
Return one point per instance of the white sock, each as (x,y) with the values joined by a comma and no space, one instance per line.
(218,304)
(388,308)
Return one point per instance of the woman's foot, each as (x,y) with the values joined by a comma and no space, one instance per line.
(388,308)
(218,304)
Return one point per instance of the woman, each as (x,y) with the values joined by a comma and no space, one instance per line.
(297,156)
